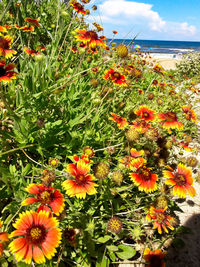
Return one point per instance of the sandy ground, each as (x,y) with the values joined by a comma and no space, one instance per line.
(166,63)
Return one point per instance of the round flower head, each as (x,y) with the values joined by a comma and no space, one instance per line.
(169,121)
(115,77)
(81,182)
(78,8)
(140,125)
(101,170)
(5,43)
(121,122)
(37,237)
(160,219)
(30,52)
(33,22)
(181,180)
(143,178)
(189,113)
(145,113)
(88,151)
(6,75)
(89,37)
(154,258)
(115,225)
(48,197)
(53,162)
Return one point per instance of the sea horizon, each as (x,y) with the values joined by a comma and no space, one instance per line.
(160,46)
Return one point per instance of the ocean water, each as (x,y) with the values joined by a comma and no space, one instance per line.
(165,47)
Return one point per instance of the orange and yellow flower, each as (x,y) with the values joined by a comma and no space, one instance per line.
(140,125)
(170,121)
(31,52)
(5,43)
(143,178)
(115,77)
(154,258)
(181,180)
(80,182)
(6,75)
(33,22)
(50,199)
(83,157)
(89,37)
(37,237)
(189,113)
(121,122)
(78,7)
(3,29)
(3,238)
(129,160)
(159,69)
(160,219)
(25,28)
(145,113)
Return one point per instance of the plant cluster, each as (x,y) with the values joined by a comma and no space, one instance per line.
(91,137)
(189,65)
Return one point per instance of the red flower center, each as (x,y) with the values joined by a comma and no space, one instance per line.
(81,179)
(144,173)
(180,179)
(170,116)
(155,261)
(116,75)
(4,43)
(78,6)
(160,217)
(2,72)
(92,35)
(36,234)
(45,197)
(146,115)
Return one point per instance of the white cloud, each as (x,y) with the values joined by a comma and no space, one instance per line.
(129,14)
(125,12)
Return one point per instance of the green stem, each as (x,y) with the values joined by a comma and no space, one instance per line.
(15,149)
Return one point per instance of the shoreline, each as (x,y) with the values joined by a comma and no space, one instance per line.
(167,61)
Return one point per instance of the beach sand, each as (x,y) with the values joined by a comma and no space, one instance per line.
(166,63)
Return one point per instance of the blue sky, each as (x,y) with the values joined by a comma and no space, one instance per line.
(150,19)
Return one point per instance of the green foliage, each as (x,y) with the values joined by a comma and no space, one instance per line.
(54,110)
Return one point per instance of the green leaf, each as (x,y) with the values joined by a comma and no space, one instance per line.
(26,170)
(112,248)
(103,262)
(126,253)
(104,239)
(112,256)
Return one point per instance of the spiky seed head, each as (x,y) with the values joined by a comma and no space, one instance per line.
(115,225)
(48,177)
(150,96)
(161,202)
(117,177)
(192,162)
(152,134)
(122,50)
(132,135)
(94,82)
(101,170)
